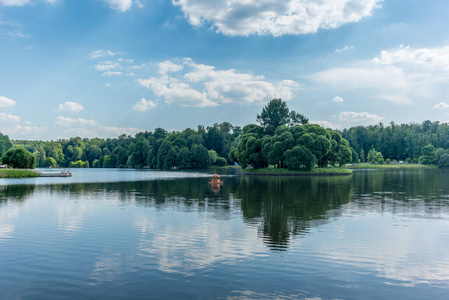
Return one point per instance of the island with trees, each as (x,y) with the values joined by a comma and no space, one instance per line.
(282,141)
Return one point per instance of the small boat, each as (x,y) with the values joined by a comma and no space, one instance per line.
(215,181)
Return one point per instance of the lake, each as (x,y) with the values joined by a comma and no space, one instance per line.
(140,234)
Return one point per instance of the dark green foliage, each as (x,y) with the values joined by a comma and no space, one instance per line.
(276,113)
(398,142)
(300,157)
(444,161)
(79,164)
(221,162)
(428,155)
(199,157)
(298,147)
(50,162)
(19,158)
(375,157)
(5,144)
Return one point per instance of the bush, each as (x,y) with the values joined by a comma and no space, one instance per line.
(388,161)
(19,158)
(79,164)
(221,162)
(444,161)
(50,162)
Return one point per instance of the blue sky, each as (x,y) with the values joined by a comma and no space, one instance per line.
(100,68)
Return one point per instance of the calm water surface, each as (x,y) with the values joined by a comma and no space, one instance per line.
(127,234)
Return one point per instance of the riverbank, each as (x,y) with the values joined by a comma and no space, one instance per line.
(14,173)
(390,166)
(285,172)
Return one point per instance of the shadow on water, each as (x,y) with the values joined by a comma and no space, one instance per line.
(284,207)
(423,192)
(16,193)
(281,208)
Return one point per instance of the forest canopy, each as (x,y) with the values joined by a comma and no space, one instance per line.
(283,139)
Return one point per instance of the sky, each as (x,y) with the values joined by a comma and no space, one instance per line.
(101,68)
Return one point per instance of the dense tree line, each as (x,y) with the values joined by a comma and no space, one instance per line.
(189,149)
(283,138)
(425,143)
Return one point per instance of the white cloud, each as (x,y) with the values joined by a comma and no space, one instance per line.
(344,49)
(70,106)
(426,57)
(168,66)
(144,105)
(7,118)
(103,53)
(64,121)
(14,2)
(326,124)
(107,84)
(107,65)
(102,131)
(399,75)
(122,5)
(267,17)
(388,83)
(202,85)
(112,73)
(441,105)
(337,99)
(29,132)
(20,2)
(6,102)
(359,118)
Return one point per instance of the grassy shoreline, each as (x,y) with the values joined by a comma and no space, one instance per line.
(284,172)
(391,166)
(14,173)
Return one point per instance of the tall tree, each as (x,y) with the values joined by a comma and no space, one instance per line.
(276,113)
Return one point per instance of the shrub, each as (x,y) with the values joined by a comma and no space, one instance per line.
(221,162)
(19,158)
(444,161)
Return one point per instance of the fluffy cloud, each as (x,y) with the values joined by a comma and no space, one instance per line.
(26,132)
(20,2)
(398,75)
(441,105)
(102,131)
(64,121)
(144,105)
(358,118)
(70,106)
(102,53)
(344,49)
(107,65)
(337,99)
(168,66)
(202,85)
(122,5)
(6,102)
(267,17)
(7,118)
(426,57)
(326,124)
(112,73)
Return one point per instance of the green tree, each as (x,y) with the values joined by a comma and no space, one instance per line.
(276,113)
(50,162)
(444,161)
(19,158)
(5,144)
(428,155)
(300,157)
(375,157)
(199,157)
